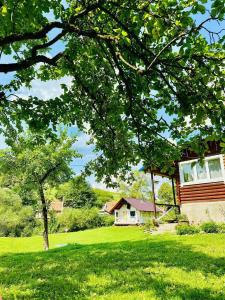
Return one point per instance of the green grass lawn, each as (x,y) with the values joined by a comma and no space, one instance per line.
(114,263)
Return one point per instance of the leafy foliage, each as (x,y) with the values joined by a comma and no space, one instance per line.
(80,219)
(36,163)
(187,229)
(104,196)
(15,219)
(139,187)
(182,218)
(165,194)
(171,216)
(210,227)
(128,61)
(77,193)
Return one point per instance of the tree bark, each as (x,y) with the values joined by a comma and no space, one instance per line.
(45,217)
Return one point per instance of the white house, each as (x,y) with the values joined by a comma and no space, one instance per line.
(130,211)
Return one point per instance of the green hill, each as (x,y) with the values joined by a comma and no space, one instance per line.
(104,196)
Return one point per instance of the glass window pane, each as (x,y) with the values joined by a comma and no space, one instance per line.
(187,172)
(214,168)
(201,170)
(132,213)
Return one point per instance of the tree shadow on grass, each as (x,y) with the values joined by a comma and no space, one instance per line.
(128,270)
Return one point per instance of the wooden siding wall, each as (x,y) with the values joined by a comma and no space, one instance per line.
(205,192)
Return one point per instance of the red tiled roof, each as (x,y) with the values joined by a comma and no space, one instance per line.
(139,204)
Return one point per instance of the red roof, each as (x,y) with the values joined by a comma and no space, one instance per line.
(139,204)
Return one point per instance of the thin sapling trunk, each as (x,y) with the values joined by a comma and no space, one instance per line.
(45,217)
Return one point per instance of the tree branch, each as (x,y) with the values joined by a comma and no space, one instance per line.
(48,173)
(24,64)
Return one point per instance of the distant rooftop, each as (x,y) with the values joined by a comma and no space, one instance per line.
(139,204)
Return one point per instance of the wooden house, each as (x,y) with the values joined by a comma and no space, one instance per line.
(200,184)
(130,211)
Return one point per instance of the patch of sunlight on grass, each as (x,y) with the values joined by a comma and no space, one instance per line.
(114,263)
(100,235)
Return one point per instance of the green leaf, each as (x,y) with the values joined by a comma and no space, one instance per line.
(124,33)
(4,10)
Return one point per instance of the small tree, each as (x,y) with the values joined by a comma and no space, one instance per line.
(104,196)
(139,188)
(77,193)
(38,162)
(165,193)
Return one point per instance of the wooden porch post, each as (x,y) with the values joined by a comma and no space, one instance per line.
(174,194)
(153,191)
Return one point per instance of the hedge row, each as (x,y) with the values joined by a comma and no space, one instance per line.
(207,227)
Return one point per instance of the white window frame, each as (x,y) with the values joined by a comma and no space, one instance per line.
(208,180)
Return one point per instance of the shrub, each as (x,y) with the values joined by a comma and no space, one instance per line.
(182,218)
(221,228)
(186,229)
(170,217)
(151,224)
(210,227)
(108,220)
(53,225)
(15,219)
(79,219)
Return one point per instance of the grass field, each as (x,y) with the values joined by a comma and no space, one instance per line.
(114,263)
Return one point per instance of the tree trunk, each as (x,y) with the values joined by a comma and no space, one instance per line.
(45,217)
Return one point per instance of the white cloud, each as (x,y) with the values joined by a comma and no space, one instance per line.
(45,90)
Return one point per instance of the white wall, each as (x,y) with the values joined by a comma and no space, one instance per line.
(125,218)
(204,211)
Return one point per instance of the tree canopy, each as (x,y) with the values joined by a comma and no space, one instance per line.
(37,163)
(77,193)
(165,194)
(139,187)
(104,196)
(140,71)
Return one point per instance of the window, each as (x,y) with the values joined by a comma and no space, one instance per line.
(188,172)
(199,171)
(116,213)
(132,214)
(214,168)
(128,206)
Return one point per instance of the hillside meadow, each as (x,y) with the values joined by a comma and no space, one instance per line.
(114,263)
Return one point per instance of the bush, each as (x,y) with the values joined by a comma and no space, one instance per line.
(151,224)
(182,218)
(79,219)
(108,220)
(187,229)
(53,225)
(210,227)
(15,219)
(171,216)
(221,228)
